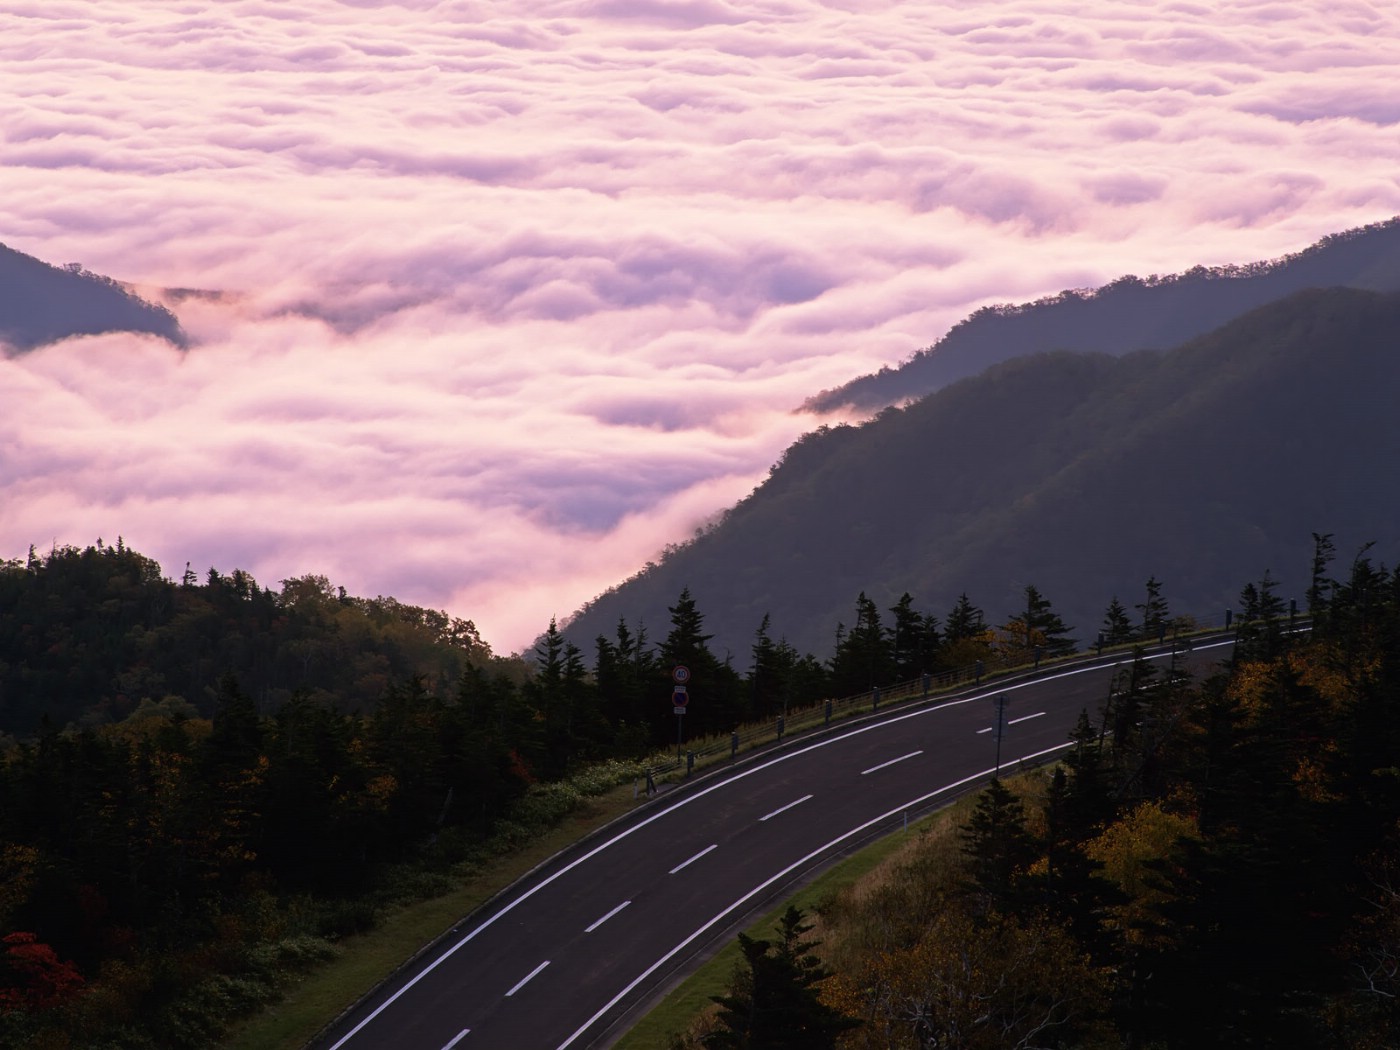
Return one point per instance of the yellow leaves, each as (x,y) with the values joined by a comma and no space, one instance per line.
(1312,780)
(1147,833)
(379,791)
(1250,686)
(1333,677)
(1127,849)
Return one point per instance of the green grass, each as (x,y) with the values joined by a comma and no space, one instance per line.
(369,958)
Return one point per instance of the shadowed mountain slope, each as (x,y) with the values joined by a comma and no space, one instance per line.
(42,304)
(1130,314)
(1083,474)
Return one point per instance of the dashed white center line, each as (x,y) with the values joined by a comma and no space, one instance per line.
(693,859)
(456,1039)
(1025,718)
(981,731)
(606,917)
(882,765)
(527,978)
(784,809)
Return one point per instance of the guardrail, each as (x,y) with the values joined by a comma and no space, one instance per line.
(1179,635)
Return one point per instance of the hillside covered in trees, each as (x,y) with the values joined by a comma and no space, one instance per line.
(1083,474)
(42,304)
(1212,864)
(1131,313)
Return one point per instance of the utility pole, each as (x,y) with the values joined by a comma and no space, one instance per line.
(1001,726)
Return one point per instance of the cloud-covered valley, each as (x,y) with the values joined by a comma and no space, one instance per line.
(504,298)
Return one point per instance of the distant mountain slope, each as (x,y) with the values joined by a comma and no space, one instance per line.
(42,304)
(1129,314)
(1081,474)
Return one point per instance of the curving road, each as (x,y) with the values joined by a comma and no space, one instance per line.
(569,955)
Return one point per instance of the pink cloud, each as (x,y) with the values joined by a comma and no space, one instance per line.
(514,295)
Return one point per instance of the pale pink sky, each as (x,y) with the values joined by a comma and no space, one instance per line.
(523,291)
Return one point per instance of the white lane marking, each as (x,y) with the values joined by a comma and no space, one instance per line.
(606,917)
(736,905)
(981,731)
(1101,665)
(457,1039)
(784,809)
(693,859)
(1025,718)
(882,765)
(527,978)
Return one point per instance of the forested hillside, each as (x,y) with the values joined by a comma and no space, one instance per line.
(42,304)
(1214,864)
(1132,313)
(1082,475)
(87,635)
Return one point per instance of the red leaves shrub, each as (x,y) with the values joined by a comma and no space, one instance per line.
(32,977)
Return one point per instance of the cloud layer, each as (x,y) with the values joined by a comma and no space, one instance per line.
(514,295)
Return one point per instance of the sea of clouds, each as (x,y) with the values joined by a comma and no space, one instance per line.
(497,299)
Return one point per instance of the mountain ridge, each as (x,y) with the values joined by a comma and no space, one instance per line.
(42,304)
(1128,314)
(1082,474)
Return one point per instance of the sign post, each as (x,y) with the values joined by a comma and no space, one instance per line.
(680,675)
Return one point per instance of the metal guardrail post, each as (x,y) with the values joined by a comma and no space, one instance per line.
(828,713)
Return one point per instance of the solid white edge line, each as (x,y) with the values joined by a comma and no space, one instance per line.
(692,860)
(783,874)
(605,918)
(1100,665)
(1025,718)
(527,978)
(784,809)
(882,765)
(457,1038)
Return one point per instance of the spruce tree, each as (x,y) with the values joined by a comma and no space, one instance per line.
(997,847)
(774,1003)
(1117,628)
(1154,611)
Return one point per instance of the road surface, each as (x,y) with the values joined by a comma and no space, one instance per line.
(573,953)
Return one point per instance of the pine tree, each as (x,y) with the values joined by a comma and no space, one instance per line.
(965,621)
(997,847)
(913,638)
(863,658)
(1323,551)
(1117,628)
(1040,625)
(1154,611)
(773,1002)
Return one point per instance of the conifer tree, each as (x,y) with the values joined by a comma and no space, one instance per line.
(773,1003)
(863,657)
(997,847)
(965,621)
(1154,611)
(1117,628)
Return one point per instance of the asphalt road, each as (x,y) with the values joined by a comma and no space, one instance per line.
(571,954)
